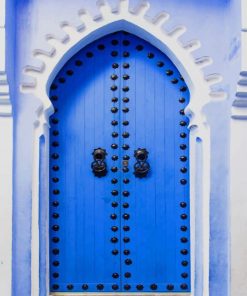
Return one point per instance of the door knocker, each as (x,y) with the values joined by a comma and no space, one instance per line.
(99,166)
(141,167)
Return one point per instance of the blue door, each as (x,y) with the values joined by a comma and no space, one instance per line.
(119,171)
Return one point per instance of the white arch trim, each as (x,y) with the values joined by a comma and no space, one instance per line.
(109,20)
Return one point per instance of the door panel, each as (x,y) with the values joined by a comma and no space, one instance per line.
(119,232)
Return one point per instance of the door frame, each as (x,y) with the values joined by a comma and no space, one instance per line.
(136,22)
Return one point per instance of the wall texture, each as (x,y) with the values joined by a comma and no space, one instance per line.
(215,23)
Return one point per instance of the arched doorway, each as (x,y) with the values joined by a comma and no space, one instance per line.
(126,230)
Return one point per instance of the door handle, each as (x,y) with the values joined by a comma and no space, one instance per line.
(141,167)
(98,165)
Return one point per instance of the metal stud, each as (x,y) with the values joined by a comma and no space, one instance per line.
(150,55)
(101,46)
(69,72)
(126,65)
(181,112)
(78,63)
(113,216)
(183,135)
(114,134)
(127,274)
(55,144)
(126,157)
(113,87)
(125,169)
(127,287)
(53,86)
(114,192)
(55,179)
(139,287)
(114,157)
(126,54)
(153,287)
(125,110)
(174,81)
(115,65)
(55,168)
(55,251)
(54,98)
(128,261)
(125,135)
(126,42)
(184,216)
(183,181)
(62,80)
(55,156)
(126,181)
(184,240)
(125,146)
(125,205)
(114,228)
(160,64)
(139,47)
(114,122)
(114,240)
(114,99)
(185,263)
(89,54)
(183,88)
(115,287)
(183,146)
(125,122)
(184,286)
(181,100)
(115,252)
(183,123)
(126,216)
(55,275)
(184,228)
(54,120)
(55,239)
(114,42)
(114,53)
(55,287)
(115,275)
(114,169)
(184,275)
(55,133)
(126,228)
(56,191)
(114,204)
(55,263)
(55,215)
(125,88)
(170,287)
(184,252)
(169,72)
(183,170)
(126,239)
(114,181)
(70,287)
(114,77)
(126,100)
(55,203)
(100,287)
(183,204)
(84,287)
(126,77)
(114,146)
(55,227)
(126,193)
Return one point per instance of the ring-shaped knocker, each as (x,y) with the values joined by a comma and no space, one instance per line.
(141,167)
(99,166)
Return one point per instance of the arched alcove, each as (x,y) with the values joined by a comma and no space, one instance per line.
(75,38)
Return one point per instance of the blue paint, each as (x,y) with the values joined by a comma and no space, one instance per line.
(30,20)
(158,222)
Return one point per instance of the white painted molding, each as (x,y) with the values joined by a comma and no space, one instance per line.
(50,61)
(6,157)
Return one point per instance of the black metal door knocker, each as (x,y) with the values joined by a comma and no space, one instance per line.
(141,167)
(99,166)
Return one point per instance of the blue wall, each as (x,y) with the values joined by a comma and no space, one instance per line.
(216,23)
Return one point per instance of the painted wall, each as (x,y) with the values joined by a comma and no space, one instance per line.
(216,23)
